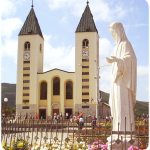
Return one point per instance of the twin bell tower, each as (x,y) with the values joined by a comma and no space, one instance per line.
(56,90)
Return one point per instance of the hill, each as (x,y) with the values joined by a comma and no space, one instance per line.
(9,91)
(140,106)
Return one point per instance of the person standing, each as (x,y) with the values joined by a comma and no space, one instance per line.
(3,115)
(71,118)
(30,116)
(81,122)
(77,119)
(20,115)
(81,114)
(61,114)
(58,118)
(13,115)
(55,118)
(74,117)
(107,118)
(66,115)
(143,116)
(36,116)
(94,120)
(26,116)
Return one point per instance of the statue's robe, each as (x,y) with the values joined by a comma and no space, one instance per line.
(123,82)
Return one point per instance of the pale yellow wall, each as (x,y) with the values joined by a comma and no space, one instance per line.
(19,89)
(93,46)
(36,64)
(48,77)
(68,103)
(55,99)
(85,90)
(84,76)
(85,69)
(42,103)
(85,83)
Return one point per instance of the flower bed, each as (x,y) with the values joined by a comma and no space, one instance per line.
(55,145)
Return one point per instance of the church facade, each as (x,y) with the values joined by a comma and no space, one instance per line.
(56,90)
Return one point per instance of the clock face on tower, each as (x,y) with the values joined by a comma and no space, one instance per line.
(85,53)
(26,55)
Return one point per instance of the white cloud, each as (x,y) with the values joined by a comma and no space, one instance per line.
(141,24)
(9,48)
(106,48)
(1,68)
(63,20)
(142,70)
(59,57)
(47,37)
(7,8)
(104,12)
(100,9)
(148,88)
(104,86)
(10,25)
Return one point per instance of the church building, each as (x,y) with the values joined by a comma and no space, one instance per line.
(56,90)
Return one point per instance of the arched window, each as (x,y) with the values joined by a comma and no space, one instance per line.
(27,46)
(69,90)
(56,86)
(43,91)
(85,43)
(40,48)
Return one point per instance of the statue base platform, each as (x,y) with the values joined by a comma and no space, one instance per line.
(122,143)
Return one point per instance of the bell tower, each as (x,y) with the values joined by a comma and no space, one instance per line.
(86,64)
(30,62)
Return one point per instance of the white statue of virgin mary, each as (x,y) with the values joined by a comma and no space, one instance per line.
(123,79)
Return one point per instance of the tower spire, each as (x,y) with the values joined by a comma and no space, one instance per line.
(87,2)
(31,25)
(86,23)
(32,4)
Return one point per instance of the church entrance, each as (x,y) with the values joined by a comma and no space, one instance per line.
(55,111)
(69,111)
(42,113)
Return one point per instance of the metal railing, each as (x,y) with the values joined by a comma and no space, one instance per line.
(32,130)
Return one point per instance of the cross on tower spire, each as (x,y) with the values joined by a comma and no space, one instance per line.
(87,2)
(32,4)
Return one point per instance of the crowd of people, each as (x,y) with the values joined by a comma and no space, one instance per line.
(56,117)
(74,118)
(19,116)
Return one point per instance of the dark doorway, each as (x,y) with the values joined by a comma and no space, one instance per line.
(69,111)
(55,111)
(42,113)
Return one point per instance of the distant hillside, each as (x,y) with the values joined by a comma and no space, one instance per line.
(105,97)
(140,106)
(9,91)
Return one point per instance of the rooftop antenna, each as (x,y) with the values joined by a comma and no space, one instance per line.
(32,4)
(87,2)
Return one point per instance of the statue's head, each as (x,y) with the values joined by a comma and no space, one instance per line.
(117,32)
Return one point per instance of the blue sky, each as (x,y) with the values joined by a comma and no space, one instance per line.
(58,20)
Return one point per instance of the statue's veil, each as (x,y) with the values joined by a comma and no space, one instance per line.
(118,28)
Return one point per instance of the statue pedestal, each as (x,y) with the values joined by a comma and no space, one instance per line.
(122,143)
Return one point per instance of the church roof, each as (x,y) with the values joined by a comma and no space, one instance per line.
(56,69)
(31,25)
(86,23)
